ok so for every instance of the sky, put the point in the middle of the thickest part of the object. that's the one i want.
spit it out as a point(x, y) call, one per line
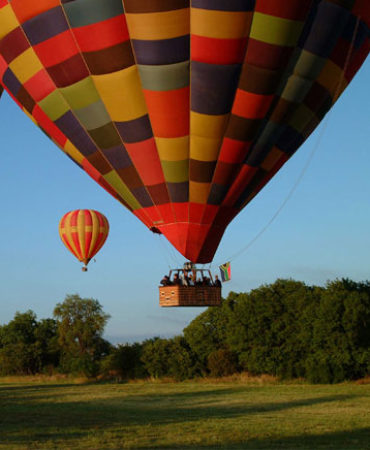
point(321, 233)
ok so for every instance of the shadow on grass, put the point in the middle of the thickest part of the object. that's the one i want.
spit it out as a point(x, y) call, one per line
point(45, 417)
point(345, 440)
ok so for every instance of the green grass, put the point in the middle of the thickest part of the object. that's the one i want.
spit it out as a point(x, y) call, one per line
point(229, 415)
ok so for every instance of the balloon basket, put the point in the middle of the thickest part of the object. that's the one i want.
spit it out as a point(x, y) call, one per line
point(84, 269)
point(189, 296)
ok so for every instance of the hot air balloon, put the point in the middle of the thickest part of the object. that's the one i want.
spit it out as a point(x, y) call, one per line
point(84, 233)
point(181, 110)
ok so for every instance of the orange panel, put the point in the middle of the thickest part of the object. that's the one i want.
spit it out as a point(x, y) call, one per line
point(26, 9)
point(145, 158)
point(169, 112)
point(251, 106)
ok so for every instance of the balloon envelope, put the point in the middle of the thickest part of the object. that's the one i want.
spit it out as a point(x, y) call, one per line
point(84, 232)
point(182, 111)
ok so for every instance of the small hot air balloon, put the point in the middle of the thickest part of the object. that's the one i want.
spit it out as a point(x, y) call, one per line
point(84, 233)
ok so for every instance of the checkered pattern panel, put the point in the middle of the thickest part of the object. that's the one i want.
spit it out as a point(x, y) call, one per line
point(181, 110)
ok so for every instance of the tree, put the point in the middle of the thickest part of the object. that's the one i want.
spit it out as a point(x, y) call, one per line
point(124, 361)
point(28, 346)
point(222, 362)
point(81, 323)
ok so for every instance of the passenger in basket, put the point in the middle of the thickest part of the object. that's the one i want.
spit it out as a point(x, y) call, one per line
point(206, 281)
point(165, 281)
point(176, 280)
point(217, 282)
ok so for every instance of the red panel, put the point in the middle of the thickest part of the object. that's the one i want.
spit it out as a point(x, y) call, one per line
point(196, 211)
point(357, 60)
point(187, 238)
point(233, 151)
point(245, 175)
point(268, 56)
point(26, 9)
point(50, 128)
point(57, 49)
point(154, 215)
point(210, 244)
point(361, 9)
point(102, 35)
point(13, 45)
point(145, 158)
point(224, 216)
point(217, 51)
point(3, 3)
point(181, 211)
point(166, 212)
point(140, 214)
point(3, 67)
point(195, 241)
point(288, 9)
point(209, 214)
point(169, 112)
point(40, 85)
point(251, 106)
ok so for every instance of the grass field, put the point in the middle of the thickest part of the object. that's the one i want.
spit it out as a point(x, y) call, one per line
point(226, 414)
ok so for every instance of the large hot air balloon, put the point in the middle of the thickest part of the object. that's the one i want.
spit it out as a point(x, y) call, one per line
point(84, 233)
point(181, 110)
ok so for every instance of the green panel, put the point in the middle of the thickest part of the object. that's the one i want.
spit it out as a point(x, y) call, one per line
point(122, 190)
point(176, 171)
point(81, 94)
point(166, 77)
point(87, 12)
point(309, 65)
point(93, 116)
point(301, 118)
point(296, 89)
point(54, 105)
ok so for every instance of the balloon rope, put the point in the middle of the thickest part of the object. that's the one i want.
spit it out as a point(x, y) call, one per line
point(163, 250)
point(310, 157)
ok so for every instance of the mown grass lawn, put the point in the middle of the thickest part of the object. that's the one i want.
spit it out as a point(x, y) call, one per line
point(145, 415)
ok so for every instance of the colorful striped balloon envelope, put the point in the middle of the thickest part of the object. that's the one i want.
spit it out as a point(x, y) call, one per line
point(84, 232)
point(182, 110)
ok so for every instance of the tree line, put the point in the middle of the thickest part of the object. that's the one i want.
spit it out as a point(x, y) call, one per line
point(286, 329)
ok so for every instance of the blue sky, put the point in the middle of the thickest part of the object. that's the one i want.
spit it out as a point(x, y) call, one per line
point(323, 232)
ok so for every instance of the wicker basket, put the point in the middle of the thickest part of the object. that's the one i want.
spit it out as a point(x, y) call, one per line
point(189, 296)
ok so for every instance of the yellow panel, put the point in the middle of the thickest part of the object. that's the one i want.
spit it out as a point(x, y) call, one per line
point(159, 25)
point(275, 30)
point(72, 151)
point(198, 192)
point(8, 21)
point(207, 125)
point(25, 65)
point(81, 232)
point(220, 24)
point(204, 149)
point(119, 186)
point(95, 230)
point(331, 77)
point(175, 149)
point(122, 95)
point(271, 159)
